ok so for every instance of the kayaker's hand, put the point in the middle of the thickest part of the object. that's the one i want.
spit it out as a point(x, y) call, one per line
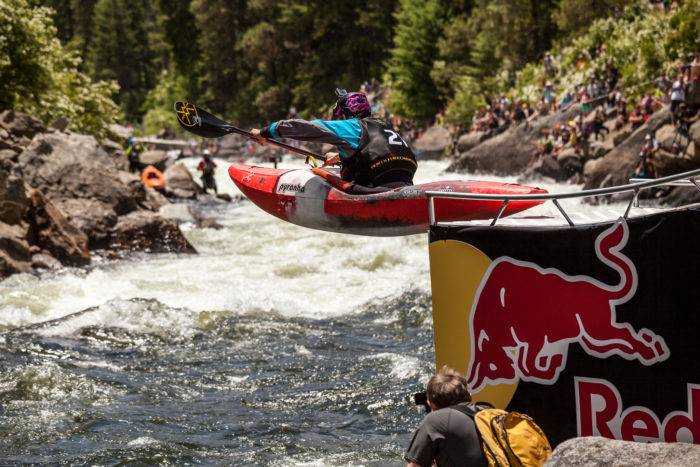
point(332, 158)
point(255, 132)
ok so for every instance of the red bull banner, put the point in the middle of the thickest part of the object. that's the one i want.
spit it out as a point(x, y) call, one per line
point(591, 330)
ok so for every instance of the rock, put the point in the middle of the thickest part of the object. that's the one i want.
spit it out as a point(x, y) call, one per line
point(433, 143)
point(50, 230)
point(595, 451)
point(224, 197)
point(8, 155)
point(60, 124)
point(619, 136)
point(68, 166)
point(509, 152)
point(570, 163)
point(621, 161)
point(668, 163)
point(208, 223)
point(665, 136)
point(120, 132)
point(19, 124)
point(8, 144)
point(13, 199)
point(154, 200)
point(94, 218)
point(548, 166)
point(147, 231)
point(232, 146)
point(177, 212)
point(179, 180)
point(681, 196)
point(156, 158)
point(598, 149)
point(45, 261)
point(15, 256)
point(469, 140)
point(112, 148)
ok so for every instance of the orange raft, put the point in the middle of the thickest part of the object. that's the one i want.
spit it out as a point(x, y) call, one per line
point(153, 178)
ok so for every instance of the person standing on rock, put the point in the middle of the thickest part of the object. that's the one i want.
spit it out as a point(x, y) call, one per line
point(134, 149)
point(373, 157)
point(208, 168)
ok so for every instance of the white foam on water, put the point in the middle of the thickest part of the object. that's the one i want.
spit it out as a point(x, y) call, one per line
point(255, 263)
point(402, 366)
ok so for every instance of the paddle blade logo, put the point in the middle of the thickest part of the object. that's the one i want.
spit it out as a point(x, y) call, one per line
point(187, 114)
point(525, 317)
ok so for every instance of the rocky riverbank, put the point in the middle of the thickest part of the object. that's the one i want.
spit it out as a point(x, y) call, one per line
point(65, 197)
point(608, 162)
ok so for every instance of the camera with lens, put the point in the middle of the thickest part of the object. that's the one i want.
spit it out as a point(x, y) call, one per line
point(421, 400)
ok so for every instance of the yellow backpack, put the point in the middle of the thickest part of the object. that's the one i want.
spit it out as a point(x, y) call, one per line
point(511, 439)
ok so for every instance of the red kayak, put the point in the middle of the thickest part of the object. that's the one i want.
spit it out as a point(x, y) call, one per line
point(303, 198)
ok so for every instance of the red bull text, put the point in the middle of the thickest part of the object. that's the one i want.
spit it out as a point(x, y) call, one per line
point(589, 329)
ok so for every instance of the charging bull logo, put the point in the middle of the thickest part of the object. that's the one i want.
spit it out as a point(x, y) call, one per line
point(524, 318)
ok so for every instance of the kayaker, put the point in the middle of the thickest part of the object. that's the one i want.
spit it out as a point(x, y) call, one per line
point(208, 168)
point(372, 155)
point(133, 150)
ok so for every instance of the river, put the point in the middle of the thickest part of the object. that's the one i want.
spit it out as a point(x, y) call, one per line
point(275, 345)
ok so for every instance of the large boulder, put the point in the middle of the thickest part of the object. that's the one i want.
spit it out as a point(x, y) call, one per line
point(469, 140)
point(66, 166)
point(92, 217)
point(20, 125)
point(13, 200)
point(156, 158)
point(15, 254)
point(617, 165)
point(232, 146)
point(147, 231)
point(433, 143)
point(594, 450)
point(180, 182)
point(509, 152)
point(177, 212)
point(52, 232)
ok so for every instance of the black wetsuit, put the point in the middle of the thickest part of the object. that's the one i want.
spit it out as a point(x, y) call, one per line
point(373, 155)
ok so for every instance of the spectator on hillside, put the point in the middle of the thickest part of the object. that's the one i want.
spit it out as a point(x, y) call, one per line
point(566, 101)
point(548, 94)
point(646, 167)
point(637, 117)
point(677, 95)
point(622, 115)
point(548, 62)
point(599, 123)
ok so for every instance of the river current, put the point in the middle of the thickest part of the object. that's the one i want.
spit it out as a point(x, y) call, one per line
point(275, 345)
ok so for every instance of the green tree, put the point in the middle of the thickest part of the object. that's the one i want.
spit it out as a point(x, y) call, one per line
point(574, 16)
point(40, 77)
point(418, 27)
point(121, 50)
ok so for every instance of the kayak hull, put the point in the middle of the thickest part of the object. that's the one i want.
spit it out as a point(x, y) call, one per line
point(302, 198)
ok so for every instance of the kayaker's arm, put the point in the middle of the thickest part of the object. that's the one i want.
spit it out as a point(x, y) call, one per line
point(343, 134)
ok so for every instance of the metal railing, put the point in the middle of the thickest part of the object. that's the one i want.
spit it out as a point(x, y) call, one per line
point(636, 185)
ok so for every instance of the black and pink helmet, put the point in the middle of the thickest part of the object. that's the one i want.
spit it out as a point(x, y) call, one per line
point(351, 105)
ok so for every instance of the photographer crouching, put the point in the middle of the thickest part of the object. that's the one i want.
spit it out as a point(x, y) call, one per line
point(447, 436)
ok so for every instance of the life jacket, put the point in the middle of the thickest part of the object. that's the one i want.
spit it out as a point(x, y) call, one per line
point(382, 157)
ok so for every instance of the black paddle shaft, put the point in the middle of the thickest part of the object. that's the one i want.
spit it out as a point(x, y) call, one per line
point(202, 123)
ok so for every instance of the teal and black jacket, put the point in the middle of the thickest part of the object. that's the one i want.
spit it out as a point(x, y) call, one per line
point(372, 153)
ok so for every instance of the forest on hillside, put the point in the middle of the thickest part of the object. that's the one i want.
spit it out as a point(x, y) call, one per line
point(96, 61)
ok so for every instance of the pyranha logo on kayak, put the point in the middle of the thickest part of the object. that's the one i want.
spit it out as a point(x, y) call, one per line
point(291, 187)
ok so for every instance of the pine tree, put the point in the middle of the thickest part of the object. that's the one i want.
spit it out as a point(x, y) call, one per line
point(120, 50)
point(419, 24)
